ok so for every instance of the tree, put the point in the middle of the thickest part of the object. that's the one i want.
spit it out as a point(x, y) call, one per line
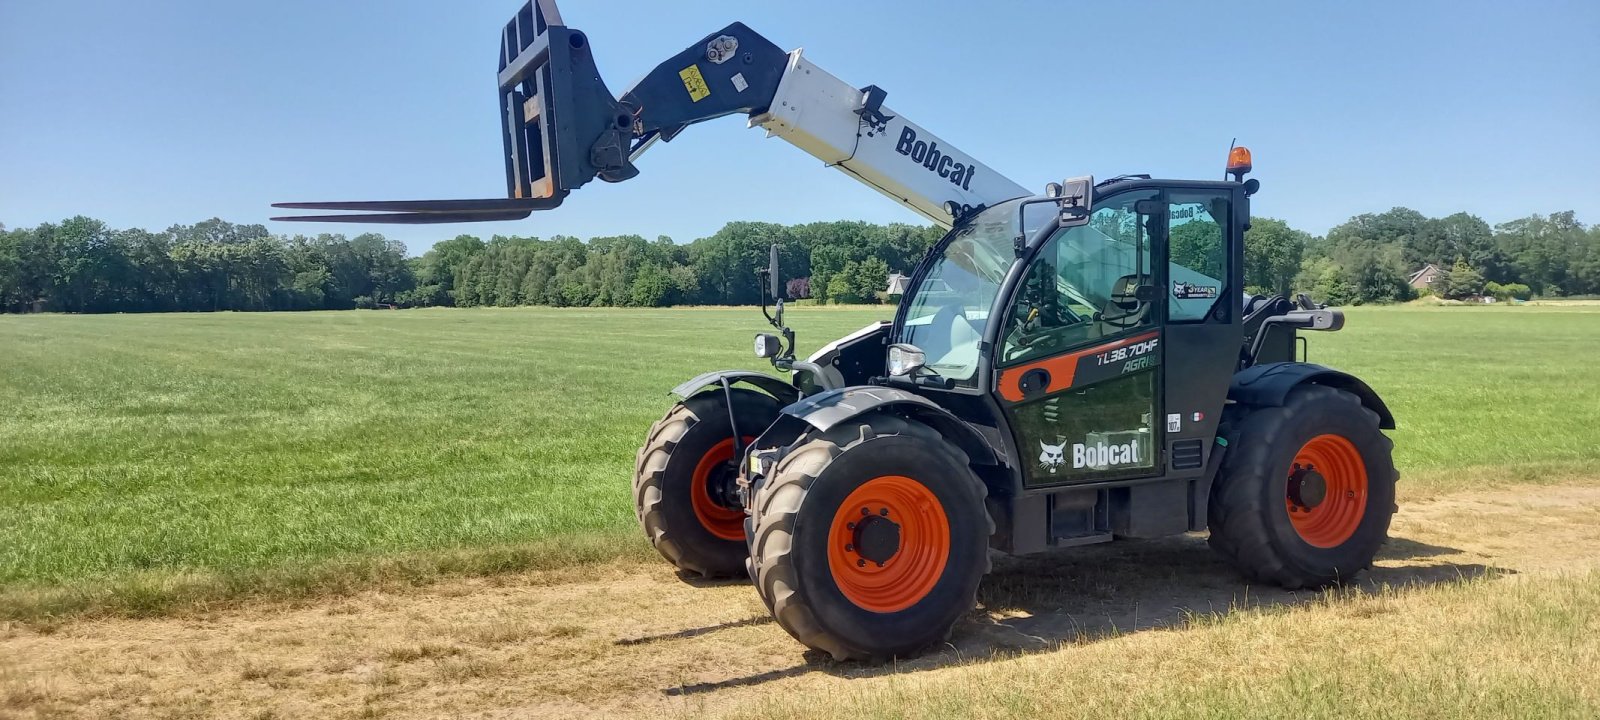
point(1507, 291)
point(651, 287)
point(1272, 255)
point(1197, 246)
point(81, 265)
point(1326, 281)
point(1460, 281)
point(441, 263)
point(840, 289)
point(870, 277)
point(1378, 274)
point(1553, 254)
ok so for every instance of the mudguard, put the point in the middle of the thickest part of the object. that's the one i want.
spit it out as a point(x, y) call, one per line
point(825, 410)
point(784, 392)
point(1269, 385)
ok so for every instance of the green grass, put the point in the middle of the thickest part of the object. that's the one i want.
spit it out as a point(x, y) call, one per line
point(1482, 395)
point(153, 459)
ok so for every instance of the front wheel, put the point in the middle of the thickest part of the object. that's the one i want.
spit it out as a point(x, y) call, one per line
point(1306, 491)
point(684, 482)
point(869, 540)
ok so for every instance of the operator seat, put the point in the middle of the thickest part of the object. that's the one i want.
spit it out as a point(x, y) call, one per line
point(950, 340)
point(1123, 308)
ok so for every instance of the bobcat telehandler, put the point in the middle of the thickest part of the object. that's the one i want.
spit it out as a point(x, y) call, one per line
point(1063, 369)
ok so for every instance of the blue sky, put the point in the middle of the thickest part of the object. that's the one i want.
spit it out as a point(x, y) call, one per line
point(152, 113)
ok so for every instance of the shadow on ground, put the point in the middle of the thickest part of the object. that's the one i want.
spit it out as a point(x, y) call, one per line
point(1042, 602)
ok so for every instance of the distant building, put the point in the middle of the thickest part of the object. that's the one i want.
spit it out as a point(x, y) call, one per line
point(1424, 278)
point(898, 284)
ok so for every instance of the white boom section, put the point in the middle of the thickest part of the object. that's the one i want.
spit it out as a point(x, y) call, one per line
point(818, 113)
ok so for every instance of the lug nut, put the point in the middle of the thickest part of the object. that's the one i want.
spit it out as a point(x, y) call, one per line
point(861, 563)
point(849, 548)
point(865, 511)
point(850, 526)
point(880, 564)
point(884, 512)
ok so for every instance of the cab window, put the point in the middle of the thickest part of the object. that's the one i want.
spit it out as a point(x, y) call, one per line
point(948, 311)
point(1083, 284)
point(1198, 254)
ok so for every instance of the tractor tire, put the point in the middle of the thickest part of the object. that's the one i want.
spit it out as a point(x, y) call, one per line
point(1306, 490)
point(868, 541)
point(687, 454)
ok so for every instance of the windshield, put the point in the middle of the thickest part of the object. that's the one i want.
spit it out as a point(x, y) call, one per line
point(949, 310)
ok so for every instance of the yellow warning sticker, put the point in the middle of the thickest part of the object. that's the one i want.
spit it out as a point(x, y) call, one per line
point(695, 83)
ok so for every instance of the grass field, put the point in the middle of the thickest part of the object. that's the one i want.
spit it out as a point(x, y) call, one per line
point(425, 513)
point(160, 459)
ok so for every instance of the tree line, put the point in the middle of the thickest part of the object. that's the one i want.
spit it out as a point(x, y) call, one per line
point(81, 265)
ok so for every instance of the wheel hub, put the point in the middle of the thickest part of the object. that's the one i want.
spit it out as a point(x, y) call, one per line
point(1326, 491)
point(1307, 487)
point(723, 485)
point(888, 544)
point(714, 492)
point(875, 538)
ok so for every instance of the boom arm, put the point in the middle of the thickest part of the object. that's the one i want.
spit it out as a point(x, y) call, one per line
point(563, 128)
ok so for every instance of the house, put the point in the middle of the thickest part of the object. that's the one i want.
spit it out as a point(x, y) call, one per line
point(898, 284)
point(1424, 278)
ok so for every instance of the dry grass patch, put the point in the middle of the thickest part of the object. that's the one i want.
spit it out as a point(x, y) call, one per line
point(1468, 600)
point(1485, 648)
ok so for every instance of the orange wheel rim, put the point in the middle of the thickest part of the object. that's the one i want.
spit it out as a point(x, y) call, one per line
point(1327, 491)
point(888, 544)
point(719, 520)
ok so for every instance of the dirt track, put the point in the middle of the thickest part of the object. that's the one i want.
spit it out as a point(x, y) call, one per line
point(628, 639)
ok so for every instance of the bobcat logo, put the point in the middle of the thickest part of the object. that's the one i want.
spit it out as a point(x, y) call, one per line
point(1052, 456)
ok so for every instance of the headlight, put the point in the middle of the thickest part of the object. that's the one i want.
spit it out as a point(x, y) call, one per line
point(767, 346)
point(904, 359)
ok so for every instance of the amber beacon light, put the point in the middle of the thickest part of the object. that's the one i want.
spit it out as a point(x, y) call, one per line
point(1238, 162)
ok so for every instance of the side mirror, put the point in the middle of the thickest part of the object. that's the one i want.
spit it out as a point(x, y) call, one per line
point(773, 275)
point(1076, 199)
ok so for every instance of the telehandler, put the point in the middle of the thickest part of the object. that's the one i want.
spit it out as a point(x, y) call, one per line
point(1063, 369)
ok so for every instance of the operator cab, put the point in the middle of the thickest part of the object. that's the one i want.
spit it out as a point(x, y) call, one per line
point(1057, 327)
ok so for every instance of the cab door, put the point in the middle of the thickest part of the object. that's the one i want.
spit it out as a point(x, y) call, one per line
point(1079, 358)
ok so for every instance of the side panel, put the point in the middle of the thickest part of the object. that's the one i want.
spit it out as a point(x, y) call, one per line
point(855, 357)
point(1200, 360)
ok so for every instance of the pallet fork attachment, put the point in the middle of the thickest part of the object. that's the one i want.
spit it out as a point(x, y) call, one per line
point(561, 126)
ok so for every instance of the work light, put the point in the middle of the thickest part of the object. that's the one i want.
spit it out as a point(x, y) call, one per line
point(767, 346)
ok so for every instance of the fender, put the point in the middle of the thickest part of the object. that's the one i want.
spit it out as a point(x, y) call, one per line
point(1269, 385)
point(825, 410)
point(784, 392)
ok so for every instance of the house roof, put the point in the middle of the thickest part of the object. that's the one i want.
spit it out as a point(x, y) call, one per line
point(1424, 271)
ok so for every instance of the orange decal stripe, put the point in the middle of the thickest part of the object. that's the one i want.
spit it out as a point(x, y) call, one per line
point(1062, 368)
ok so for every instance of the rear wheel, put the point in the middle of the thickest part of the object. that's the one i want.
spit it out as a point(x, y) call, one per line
point(869, 541)
point(684, 481)
point(1306, 491)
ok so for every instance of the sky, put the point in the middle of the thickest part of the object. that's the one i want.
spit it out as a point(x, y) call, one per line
point(146, 114)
